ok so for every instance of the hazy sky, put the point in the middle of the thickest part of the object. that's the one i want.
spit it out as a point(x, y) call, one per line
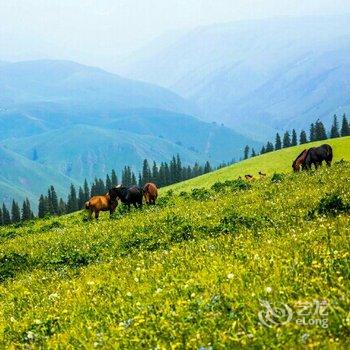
point(97, 32)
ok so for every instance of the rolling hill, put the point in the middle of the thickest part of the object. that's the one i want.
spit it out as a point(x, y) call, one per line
point(269, 163)
point(255, 76)
point(81, 122)
point(21, 177)
point(198, 270)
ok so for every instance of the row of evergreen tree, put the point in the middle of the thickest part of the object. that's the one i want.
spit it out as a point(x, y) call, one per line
point(17, 214)
point(317, 132)
point(163, 174)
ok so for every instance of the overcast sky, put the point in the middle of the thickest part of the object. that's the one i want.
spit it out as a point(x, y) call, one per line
point(97, 32)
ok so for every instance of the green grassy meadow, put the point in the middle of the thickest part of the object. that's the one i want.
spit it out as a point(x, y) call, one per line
point(269, 163)
point(193, 271)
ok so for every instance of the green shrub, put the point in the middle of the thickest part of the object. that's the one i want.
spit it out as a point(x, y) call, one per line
point(331, 204)
point(11, 264)
point(200, 194)
point(276, 177)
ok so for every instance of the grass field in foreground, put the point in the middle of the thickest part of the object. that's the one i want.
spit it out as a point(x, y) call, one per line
point(279, 161)
point(193, 272)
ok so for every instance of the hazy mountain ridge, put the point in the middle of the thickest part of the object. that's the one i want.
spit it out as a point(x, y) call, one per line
point(241, 73)
point(81, 122)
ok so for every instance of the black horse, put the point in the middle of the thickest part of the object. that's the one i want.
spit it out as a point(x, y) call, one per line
point(128, 195)
point(316, 155)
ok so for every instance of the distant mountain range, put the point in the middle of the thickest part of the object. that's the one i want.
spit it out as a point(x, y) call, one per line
point(62, 122)
point(255, 76)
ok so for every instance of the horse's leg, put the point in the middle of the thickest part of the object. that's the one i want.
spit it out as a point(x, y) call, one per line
point(90, 214)
point(97, 213)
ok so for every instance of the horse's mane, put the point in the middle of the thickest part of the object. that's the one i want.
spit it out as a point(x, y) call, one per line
point(305, 150)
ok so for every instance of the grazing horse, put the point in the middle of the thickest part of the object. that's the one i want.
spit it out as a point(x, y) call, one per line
point(150, 193)
point(317, 155)
point(100, 203)
point(249, 177)
point(128, 195)
point(262, 175)
point(299, 161)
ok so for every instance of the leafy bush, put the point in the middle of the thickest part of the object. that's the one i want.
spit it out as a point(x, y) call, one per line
point(277, 177)
point(331, 204)
point(200, 194)
point(11, 264)
point(233, 185)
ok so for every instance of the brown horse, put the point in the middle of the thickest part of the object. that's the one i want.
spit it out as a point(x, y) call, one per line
point(300, 160)
point(249, 177)
point(100, 203)
point(150, 193)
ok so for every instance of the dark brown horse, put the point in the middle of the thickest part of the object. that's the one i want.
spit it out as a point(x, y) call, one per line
point(150, 193)
point(313, 156)
point(300, 160)
point(316, 155)
point(100, 203)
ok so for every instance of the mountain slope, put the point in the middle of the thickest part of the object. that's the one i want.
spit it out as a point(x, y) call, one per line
point(198, 270)
point(21, 177)
point(269, 163)
point(255, 75)
point(82, 122)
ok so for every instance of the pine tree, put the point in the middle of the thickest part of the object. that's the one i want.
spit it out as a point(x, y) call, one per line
point(62, 207)
point(335, 128)
point(207, 167)
point(302, 138)
point(167, 174)
point(6, 218)
point(253, 154)
point(178, 169)
point(27, 213)
point(172, 169)
point(294, 138)
point(269, 147)
point(320, 131)
point(345, 127)
point(286, 140)
point(1, 218)
point(114, 178)
point(81, 198)
point(133, 178)
point(278, 142)
point(86, 192)
point(101, 187)
point(155, 173)
point(127, 176)
point(43, 208)
point(15, 212)
point(246, 152)
point(146, 172)
point(72, 202)
point(53, 201)
point(263, 150)
point(312, 133)
point(108, 183)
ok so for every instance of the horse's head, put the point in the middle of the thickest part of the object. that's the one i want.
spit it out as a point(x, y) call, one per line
point(296, 166)
point(299, 161)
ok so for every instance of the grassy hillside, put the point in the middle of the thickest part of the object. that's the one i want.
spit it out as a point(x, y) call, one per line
point(191, 272)
point(21, 177)
point(269, 163)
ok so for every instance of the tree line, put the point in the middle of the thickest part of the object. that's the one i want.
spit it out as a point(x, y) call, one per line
point(162, 174)
point(317, 132)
